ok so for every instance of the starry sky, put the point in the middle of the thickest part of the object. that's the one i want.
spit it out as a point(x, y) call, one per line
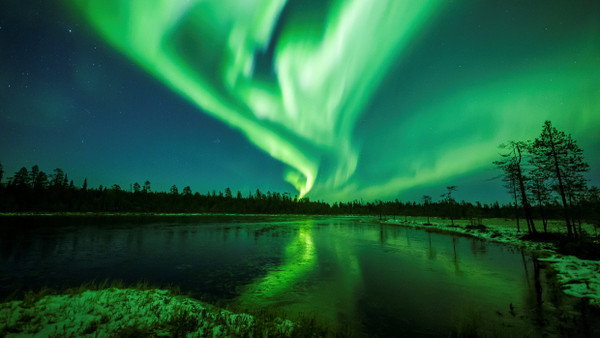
point(335, 100)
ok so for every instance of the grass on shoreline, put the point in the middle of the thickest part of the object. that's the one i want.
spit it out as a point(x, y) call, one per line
point(21, 313)
point(585, 246)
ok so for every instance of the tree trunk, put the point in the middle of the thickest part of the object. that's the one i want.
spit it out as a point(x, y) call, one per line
point(573, 221)
point(542, 211)
point(526, 206)
point(516, 208)
point(561, 186)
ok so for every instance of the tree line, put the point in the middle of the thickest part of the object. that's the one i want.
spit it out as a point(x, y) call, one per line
point(35, 191)
point(546, 174)
point(544, 178)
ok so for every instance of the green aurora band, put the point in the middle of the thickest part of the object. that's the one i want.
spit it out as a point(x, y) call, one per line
point(205, 50)
point(327, 70)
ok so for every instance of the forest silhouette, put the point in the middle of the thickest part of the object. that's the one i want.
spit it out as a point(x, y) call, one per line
point(544, 176)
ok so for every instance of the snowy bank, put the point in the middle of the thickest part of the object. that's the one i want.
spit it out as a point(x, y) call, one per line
point(578, 277)
point(118, 312)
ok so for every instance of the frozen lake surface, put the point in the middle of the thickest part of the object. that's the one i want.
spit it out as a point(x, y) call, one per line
point(350, 272)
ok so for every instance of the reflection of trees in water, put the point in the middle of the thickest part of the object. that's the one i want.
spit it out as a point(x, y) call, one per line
point(454, 240)
point(534, 298)
point(431, 251)
point(478, 247)
point(383, 234)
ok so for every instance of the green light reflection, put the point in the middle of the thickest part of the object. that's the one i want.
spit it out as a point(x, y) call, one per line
point(299, 259)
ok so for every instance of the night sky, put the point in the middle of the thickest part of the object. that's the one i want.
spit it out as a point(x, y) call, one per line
point(338, 100)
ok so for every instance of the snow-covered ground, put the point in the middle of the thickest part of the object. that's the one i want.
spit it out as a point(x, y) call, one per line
point(579, 277)
point(117, 312)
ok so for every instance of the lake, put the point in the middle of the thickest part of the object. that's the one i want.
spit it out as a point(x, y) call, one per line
point(350, 272)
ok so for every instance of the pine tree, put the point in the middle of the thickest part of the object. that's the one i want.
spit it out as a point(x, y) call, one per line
point(33, 174)
point(557, 155)
point(41, 181)
point(540, 191)
point(510, 183)
point(58, 178)
point(22, 178)
point(512, 165)
point(426, 206)
point(449, 201)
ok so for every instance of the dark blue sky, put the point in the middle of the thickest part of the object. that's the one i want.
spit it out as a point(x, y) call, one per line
point(467, 76)
point(70, 101)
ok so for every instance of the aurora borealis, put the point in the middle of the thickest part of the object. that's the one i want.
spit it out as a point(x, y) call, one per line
point(342, 99)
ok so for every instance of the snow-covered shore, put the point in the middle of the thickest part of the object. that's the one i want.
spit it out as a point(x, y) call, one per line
point(117, 312)
point(578, 277)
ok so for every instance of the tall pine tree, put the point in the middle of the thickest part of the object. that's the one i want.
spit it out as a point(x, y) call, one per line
point(557, 155)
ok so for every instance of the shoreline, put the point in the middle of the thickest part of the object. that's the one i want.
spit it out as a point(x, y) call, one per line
point(132, 312)
point(159, 214)
point(119, 310)
point(577, 277)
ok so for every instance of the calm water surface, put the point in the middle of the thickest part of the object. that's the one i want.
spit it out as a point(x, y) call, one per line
point(351, 273)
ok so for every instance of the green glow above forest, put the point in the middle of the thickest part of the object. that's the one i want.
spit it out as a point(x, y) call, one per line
point(323, 79)
point(329, 107)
